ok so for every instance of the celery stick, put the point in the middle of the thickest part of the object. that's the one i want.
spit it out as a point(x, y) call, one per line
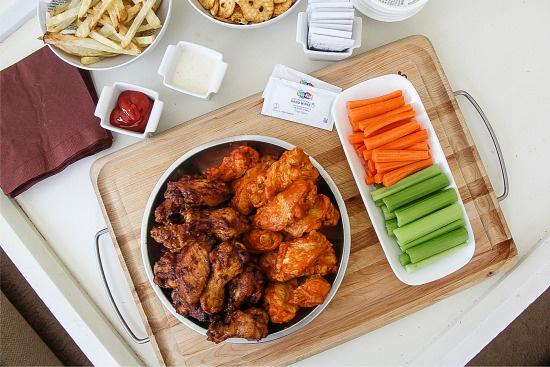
point(413, 211)
point(391, 224)
point(416, 191)
point(437, 245)
point(404, 259)
point(438, 232)
point(412, 267)
point(406, 182)
point(428, 223)
point(387, 213)
point(379, 202)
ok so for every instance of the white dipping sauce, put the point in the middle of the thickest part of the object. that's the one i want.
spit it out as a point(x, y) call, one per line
point(194, 71)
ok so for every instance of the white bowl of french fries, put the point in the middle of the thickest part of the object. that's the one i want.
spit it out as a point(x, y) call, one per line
point(102, 34)
point(244, 14)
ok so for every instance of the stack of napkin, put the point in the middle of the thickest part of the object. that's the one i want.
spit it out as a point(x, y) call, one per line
point(46, 120)
point(330, 25)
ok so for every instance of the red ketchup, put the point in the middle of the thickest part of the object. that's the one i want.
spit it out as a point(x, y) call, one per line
point(132, 111)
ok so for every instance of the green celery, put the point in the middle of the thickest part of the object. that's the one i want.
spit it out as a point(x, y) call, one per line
point(438, 232)
point(425, 206)
point(412, 267)
point(437, 245)
point(404, 259)
point(387, 213)
point(406, 182)
point(416, 191)
point(391, 225)
point(428, 223)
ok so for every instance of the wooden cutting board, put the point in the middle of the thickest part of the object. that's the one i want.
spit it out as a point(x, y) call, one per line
point(370, 295)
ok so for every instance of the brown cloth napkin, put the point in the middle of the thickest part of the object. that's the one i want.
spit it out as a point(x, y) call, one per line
point(46, 120)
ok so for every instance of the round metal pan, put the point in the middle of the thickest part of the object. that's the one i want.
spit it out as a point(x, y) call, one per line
point(211, 154)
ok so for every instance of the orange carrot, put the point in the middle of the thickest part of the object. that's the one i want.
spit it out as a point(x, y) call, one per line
point(370, 173)
point(364, 102)
point(417, 146)
point(383, 167)
point(373, 127)
point(360, 150)
point(394, 176)
point(355, 126)
point(407, 140)
point(378, 140)
point(393, 155)
point(378, 178)
point(369, 180)
point(356, 138)
point(374, 109)
point(370, 164)
point(367, 154)
point(363, 123)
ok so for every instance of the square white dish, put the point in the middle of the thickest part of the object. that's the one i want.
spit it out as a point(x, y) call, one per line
point(377, 87)
point(108, 100)
point(173, 56)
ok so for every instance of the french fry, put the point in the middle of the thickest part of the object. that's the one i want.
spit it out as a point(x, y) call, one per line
point(137, 22)
point(80, 46)
point(91, 21)
point(151, 17)
point(84, 6)
point(130, 49)
point(89, 60)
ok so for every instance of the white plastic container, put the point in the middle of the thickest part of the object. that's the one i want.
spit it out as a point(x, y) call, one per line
point(108, 100)
point(389, 10)
point(301, 37)
point(192, 69)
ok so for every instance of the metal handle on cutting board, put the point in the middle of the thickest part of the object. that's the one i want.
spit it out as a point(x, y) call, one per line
point(108, 290)
point(493, 137)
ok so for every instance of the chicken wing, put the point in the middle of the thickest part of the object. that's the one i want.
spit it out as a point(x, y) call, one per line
point(277, 301)
point(247, 287)
point(325, 264)
point(175, 237)
point(311, 292)
point(268, 263)
point(250, 324)
point(186, 310)
point(244, 186)
point(191, 191)
point(287, 206)
point(292, 165)
point(235, 164)
point(192, 271)
point(225, 223)
point(321, 214)
point(296, 256)
point(164, 271)
point(227, 261)
point(262, 240)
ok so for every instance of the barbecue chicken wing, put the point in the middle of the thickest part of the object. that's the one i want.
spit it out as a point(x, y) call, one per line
point(294, 257)
point(191, 191)
point(235, 164)
point(292, 165)
point(246, 287)
point(186, 310)
point(268, 264)
point(192, 271)
point(287, 206)
point(244, 186)
point(262, 240)
point(311, 292)
point(174, 237)
point(277, 301)
point(321, 214)
point(250, 324)
point(227, 261)
point(225, 223)
point(164, 271)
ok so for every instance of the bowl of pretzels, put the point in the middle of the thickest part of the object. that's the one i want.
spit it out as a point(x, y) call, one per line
point(244, 14)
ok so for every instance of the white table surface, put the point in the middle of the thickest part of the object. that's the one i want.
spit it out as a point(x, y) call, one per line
point(496, 50)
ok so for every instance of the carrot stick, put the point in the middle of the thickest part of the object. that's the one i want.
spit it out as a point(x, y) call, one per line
point(373, 127)
point(367, 154)
point(417, 146)
point(407, 140)
point(371, 166)
point(378, 178)
point(360, 150)
point(356, 138)
point(394, 176)
point(364, 102)
point(370, 173)
point(355, 126)
point(374, 109)
point(394, 155)
point(363, 123)
point(369, 180)
point(378, 140)
point(383, 167)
